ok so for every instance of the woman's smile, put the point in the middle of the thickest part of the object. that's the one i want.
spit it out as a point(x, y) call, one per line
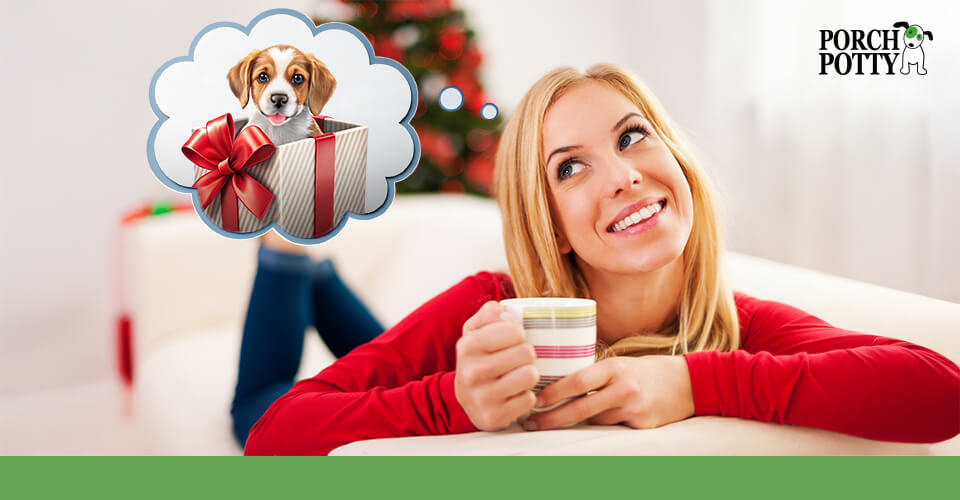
point(639, 217)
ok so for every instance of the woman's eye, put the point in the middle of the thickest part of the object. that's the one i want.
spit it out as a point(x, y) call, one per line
point(297, 78)
point(569, 169)
point(630, 138)
point(263, 78)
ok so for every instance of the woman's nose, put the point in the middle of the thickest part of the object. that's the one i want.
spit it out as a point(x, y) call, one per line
point(622, 176)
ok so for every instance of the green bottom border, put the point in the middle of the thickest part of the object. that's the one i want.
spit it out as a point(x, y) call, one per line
point(495, 478)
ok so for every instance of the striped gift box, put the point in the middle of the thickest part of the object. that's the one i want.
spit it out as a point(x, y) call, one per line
point(563, 332)
point(315, 181)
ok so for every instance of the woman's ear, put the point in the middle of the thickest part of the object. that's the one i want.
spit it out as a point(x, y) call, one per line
point(562, 242)
point(239, 78)
point(322, 84)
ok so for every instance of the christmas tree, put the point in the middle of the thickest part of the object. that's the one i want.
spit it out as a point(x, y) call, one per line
point(431, 39)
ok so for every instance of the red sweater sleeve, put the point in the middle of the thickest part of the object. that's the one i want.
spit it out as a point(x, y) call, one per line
point(794, 368)
point(399, 384)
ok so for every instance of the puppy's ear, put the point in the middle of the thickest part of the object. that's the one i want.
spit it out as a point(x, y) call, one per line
point(929, 34)
point(322, 84)
point(239, 78)
point(901, 24)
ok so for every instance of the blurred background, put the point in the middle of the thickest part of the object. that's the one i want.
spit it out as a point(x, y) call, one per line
point(850, 175)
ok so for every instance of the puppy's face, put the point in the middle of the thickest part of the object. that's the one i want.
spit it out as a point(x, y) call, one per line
point(281, 80)
point(913, 36)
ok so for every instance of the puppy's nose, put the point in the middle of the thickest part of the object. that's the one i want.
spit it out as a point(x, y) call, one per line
point(278, 99)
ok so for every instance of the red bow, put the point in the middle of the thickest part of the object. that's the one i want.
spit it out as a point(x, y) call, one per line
point(214, 148)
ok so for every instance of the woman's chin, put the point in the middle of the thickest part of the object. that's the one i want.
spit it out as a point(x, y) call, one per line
point(649, 258)
point(632, 256)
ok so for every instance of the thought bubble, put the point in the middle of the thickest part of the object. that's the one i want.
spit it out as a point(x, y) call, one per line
point(489, 111)
point(375, 92)
point(450, 99)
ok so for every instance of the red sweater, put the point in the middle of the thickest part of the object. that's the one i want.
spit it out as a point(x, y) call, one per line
point(792, 368)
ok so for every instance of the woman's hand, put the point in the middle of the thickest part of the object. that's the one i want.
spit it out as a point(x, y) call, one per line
point(495, 372)
point(642, 393)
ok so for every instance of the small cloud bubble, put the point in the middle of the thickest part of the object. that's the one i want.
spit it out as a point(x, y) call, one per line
point(450, 99)
point(489, 111)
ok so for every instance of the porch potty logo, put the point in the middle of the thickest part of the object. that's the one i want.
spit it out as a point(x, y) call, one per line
point(874, 52)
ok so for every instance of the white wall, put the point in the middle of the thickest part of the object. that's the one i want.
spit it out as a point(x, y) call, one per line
point(662, 42)
point(850, 175)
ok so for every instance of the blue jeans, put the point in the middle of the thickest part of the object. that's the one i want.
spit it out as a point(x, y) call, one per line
point(290, 292)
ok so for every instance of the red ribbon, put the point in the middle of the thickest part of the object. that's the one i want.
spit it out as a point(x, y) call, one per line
point(319, 119)
point(214, 148)
point(323, 184)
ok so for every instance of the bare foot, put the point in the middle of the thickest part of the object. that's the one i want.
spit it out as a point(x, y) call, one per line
point(274, 241)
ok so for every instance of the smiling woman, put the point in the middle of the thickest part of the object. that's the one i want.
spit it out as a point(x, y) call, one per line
point(604, 209)
point(601, 198)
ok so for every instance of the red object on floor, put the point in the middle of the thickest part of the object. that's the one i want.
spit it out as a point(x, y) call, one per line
point(125, 349)
point(124, 324)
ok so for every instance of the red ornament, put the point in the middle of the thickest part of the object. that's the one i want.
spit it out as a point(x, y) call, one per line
point(387, 48)
point(367, 9)
point(480, 172)
point(436, 146)
point(472, 58)
point(415, 9)
point(451, 41)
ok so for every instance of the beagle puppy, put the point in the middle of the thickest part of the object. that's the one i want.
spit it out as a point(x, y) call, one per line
point(287, 86)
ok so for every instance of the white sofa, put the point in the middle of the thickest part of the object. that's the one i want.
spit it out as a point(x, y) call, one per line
point(186, 289)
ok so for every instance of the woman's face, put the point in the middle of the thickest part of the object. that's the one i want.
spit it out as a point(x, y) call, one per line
point(617, 193)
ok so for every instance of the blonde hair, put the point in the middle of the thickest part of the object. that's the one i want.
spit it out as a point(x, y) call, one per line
point(707, 315)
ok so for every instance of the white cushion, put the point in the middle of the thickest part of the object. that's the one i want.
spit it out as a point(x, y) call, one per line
point(184, 390)
point(695, 436)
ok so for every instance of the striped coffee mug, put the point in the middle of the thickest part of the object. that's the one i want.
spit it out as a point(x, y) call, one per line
point(563, 332)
